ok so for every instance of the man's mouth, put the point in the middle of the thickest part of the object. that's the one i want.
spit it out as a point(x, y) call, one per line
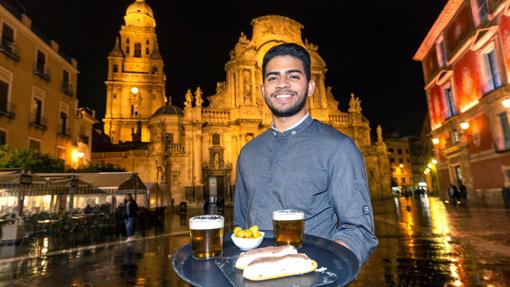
point(283, 96)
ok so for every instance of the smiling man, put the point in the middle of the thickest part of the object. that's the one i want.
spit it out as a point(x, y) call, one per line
point(303, 164)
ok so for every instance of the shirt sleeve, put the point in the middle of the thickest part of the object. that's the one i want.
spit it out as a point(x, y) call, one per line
point(240, 199)
point(351, 199)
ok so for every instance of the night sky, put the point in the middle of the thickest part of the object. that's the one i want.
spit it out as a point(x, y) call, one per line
point(368, 46)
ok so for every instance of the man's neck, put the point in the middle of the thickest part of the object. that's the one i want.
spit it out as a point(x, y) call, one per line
point(284, 123)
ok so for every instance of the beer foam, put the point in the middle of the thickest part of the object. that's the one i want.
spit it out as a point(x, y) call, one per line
point(288, 215)
point(203, 223)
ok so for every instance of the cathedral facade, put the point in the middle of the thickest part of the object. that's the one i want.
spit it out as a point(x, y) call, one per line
point(192, 153)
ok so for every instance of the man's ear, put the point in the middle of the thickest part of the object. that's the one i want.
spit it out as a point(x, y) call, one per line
point(311, 87)
point(262, 91)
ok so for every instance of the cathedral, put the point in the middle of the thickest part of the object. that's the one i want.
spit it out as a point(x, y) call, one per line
point(191, 153)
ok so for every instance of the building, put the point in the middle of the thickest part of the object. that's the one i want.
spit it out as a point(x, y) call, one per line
point(193, 152)
point(466, 64)
point(38, 105)
point(399, 155)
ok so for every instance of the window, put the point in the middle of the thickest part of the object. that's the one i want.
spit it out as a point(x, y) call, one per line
point(455, 136)
point(63, 124)
point(3, 137)
point(169, 138)
point(390, 150)
point(4, 96)
point(127, 50)
point(147, 42)
point(492, 79)
point(40, 62)
point(65, 76)
point(480, 7)
point(392, 160)
point(154, 70)
point(7, 38)
point(138, 50)
point(34, 144)
point(400, 160)
point(407, 151)
point(115, 68)
point(399, 151)
point(134, 111)
point(37, 106)
point(216, 139)
point(403, 180)
point(147, 51)
point(441, 52)
point(450, 107)
point(505, 128)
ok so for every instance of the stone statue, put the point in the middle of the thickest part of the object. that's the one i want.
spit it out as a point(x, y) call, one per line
point(354, 104)
point(198, 97)
point(216, 160)
point(379, 134)
point(247, 86)
point(189, 99)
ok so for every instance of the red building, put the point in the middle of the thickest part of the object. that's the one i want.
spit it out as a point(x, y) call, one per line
point(466, 66)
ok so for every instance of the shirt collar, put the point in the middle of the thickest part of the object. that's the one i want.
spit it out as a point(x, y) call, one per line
point(302, 123)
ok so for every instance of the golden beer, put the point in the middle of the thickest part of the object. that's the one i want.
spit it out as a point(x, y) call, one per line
point(206, 232)
point(288, 227)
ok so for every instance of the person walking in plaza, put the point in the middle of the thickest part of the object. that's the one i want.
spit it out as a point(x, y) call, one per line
point(301, 163)
point(453, 194)
point(462, 193)
point(130, 215)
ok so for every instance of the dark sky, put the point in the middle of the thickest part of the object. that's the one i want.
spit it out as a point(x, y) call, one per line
point(368, 46)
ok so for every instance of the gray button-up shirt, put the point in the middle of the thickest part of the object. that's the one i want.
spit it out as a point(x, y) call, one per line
point(311, 167)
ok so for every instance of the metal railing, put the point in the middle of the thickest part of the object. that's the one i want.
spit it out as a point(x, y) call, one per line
point(10, 49)
point(42, 72)
point(8, 110)
point(67, 88)
point(38, 122)
point(64, 132)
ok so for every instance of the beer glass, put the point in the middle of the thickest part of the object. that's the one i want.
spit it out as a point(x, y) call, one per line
point(206, 232)
point(288, 227)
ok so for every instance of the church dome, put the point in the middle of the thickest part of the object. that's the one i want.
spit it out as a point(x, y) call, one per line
point(139, 14)
point(168, 110)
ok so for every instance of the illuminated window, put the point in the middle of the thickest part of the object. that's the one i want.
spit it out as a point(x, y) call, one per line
point(441, 52)
point(450, 107)
point(138, 50)
point(492, 79)
point(505, 128)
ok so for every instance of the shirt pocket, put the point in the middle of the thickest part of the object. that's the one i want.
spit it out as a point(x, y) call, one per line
point(309, 190)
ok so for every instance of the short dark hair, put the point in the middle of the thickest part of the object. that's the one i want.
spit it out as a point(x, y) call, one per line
point(288, 49)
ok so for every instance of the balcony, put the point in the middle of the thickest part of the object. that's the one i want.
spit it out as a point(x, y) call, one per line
point(9, 49)
point(64, 132)
point(42, 72)
point(67, 88)
point(8, 110)
point(38, 122)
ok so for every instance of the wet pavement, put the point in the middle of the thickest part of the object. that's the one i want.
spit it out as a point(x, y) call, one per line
point(423, 242)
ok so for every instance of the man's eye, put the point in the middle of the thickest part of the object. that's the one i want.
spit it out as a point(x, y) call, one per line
point(295, 77)
point(271, 79)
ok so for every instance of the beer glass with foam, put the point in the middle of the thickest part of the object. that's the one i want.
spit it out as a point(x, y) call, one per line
point(206, 232)
point(288, 227)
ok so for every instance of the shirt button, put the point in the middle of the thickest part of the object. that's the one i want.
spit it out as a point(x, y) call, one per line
point(274, 133)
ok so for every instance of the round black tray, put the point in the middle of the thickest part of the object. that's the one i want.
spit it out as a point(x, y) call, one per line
point(338, 265)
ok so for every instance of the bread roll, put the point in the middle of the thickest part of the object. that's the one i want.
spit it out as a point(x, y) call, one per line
point(275, 267)
point(246, 257)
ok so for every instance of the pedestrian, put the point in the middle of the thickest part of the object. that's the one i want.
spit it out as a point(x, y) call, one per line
point(462, 193)
point(453, 193)
point(130, 215)
point(301, 163)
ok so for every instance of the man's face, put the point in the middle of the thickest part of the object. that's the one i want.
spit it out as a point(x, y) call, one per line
point(285, 86)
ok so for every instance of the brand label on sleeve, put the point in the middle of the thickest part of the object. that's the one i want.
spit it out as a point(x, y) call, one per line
point(366, 210)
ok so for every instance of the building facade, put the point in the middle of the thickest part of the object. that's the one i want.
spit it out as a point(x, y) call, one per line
point(38, 105)
point(193, 152)
point(399, 155)
point(466, 65)
point(135, 85)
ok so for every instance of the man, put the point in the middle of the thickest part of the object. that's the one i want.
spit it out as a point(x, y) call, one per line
point(303, 164)
point(130, 214)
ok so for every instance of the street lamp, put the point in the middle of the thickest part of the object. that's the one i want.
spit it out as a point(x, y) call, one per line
point(506, 103)
point(401, 165)
point(435, 141)
point(464, 125)
point(135, 90)
point(434, 161)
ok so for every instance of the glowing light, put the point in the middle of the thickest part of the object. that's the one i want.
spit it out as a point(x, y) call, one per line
point(464, 125)
point(134, 90)
point(435, 141)
point(401, 165)
point(430, 165)
point(76, 155)
point(434, 161)
point(506, 103)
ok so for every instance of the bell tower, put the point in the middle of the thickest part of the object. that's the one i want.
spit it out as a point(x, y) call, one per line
point(135, 85)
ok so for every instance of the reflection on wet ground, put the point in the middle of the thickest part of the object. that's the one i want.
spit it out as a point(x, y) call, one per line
point(423, 242)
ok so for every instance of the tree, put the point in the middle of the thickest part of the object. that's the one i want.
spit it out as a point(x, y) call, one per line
point(29, 159)
point(99, 167)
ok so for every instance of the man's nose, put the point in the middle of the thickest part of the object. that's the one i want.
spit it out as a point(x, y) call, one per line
point(283, 82)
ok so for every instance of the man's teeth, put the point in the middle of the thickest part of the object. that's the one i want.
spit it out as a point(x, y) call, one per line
point(283, 96)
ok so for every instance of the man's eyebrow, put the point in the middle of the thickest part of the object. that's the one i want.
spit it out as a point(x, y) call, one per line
point(286, 72)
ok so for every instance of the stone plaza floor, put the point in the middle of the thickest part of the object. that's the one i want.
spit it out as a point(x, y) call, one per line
point(423, 242)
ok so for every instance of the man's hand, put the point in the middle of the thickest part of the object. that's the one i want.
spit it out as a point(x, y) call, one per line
point(343, 244)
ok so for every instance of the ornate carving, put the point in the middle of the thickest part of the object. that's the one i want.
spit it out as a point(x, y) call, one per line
point(198, 97)
point(247, 86)
point(189, 99)
point(310, 46)
point(379, 134)
point(354, 104)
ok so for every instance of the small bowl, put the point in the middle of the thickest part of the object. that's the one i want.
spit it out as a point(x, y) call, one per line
point(248, 243)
